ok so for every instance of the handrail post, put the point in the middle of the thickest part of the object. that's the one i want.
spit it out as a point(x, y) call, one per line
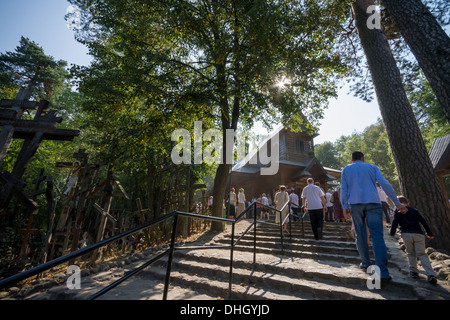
point(169, 263)
point(281, 232)
point(254, 237)
point(290, 224)
point(303, 217)
point(231, 260)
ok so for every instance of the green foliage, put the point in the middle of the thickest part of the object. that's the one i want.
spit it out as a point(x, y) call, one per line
point(328, 155)
point(226, 56)
point(28, 64)
point(161, 65)
point(373, 142)
point(429, 114)
point(360, 79)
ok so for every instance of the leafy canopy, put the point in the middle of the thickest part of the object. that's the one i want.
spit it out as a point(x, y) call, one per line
point(28, 64)
point(223, 57)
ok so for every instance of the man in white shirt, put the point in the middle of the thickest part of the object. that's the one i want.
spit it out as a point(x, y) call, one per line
point(315, 203)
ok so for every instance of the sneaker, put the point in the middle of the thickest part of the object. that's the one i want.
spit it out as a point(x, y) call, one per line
point(361, 266)
point(432, 279)
point(385, 282)
point(413, 275)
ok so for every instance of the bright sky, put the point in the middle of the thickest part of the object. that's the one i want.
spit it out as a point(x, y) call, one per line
point(42, 21)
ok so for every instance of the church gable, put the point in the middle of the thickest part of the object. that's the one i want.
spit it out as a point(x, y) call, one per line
point(296, 146)
point(296, 163)
point(295, 149)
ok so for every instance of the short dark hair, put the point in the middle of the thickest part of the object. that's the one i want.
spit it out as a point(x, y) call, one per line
point(357, 155)
point(403, 199)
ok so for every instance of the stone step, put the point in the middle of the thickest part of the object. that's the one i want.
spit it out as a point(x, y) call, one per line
point(327, 235)
point(291, 279)
point(294, 239)
point(293, 245)
point(219, 288)
point(290, 266)
point(300, 254)
point(306, 230)
point(305, 224)
point(306, 269)
point(296, 247)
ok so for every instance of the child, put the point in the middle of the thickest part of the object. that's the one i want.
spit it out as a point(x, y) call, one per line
point(414, 239)
point(264, 209)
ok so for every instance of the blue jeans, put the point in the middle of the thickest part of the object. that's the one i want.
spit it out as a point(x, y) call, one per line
point(329, 214)
point(370, 214)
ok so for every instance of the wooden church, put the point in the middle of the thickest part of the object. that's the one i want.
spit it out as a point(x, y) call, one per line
point(296, 164)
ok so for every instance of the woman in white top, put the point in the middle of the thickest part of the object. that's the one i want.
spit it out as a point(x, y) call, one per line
point(281, 198)
point(241, 202)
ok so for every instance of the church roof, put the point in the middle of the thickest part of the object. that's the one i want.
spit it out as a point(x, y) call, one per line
point(440, 152)
point(254, 153)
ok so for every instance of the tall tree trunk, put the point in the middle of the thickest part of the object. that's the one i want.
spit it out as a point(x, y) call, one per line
point(220, 184)
point(428, 42)
point(229, 121)
point(417, 177)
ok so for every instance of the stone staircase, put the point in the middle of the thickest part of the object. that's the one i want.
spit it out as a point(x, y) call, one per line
point(304, 269)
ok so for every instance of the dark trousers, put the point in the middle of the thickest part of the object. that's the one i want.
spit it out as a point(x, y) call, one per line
point(232, 210)
point(316, 218)
point(385, 207)
point(295, 213)
point(329, 214)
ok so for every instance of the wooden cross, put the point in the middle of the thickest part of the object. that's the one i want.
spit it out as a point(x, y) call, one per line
point(84, 189)
point(51, 207)
point(140, 211)
point(81, 156)
point(105, 212)
point(107, 187)
point(42, 127)
point(80, 193)
point(107, 199)
point(28, 230)
point(17, 107)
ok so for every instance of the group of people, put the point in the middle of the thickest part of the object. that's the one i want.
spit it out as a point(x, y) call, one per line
point(236, 203)
point(362, 198)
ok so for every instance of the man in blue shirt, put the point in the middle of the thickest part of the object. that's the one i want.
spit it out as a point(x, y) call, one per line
point(359, 197)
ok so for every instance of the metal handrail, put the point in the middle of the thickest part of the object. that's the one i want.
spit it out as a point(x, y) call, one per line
point(288, 216)
point(46, 266)
point(175, 214)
